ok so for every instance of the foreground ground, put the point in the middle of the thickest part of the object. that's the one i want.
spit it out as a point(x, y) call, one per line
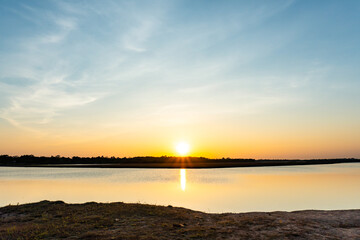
point(54, 220)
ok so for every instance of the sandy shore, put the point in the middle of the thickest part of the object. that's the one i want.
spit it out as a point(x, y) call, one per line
point(54, 220)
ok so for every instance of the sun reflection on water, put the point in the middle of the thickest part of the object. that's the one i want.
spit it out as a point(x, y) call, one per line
point(183, 179)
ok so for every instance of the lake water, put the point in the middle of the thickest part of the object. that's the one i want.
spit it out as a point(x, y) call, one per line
point(210, 190)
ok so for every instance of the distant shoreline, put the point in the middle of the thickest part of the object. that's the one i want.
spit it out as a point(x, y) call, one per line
point(156, 162)
point(55, 220)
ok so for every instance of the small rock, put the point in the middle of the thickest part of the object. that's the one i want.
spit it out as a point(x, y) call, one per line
point(178, 225)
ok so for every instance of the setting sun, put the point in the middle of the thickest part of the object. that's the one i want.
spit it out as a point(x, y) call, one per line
point(182, 148)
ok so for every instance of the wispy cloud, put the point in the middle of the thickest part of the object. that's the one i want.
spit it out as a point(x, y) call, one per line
point(46, 91)
point(135, 39)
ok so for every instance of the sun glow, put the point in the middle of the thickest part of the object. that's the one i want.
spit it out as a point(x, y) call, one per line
point(182, 148)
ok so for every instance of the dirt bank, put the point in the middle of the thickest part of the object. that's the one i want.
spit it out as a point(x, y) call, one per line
point(54, 220)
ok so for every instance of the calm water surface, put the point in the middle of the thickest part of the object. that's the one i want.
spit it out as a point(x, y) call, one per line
point(210, 190)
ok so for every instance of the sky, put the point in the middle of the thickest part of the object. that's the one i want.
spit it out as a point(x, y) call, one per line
point(247, 79)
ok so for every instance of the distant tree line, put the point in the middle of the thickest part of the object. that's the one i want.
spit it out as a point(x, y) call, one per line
point(31, 159)
point(28, 160)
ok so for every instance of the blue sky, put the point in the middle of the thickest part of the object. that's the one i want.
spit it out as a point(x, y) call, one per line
point(233, 78)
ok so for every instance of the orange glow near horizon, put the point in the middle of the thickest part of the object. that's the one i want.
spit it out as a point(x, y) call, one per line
point(211, 143)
